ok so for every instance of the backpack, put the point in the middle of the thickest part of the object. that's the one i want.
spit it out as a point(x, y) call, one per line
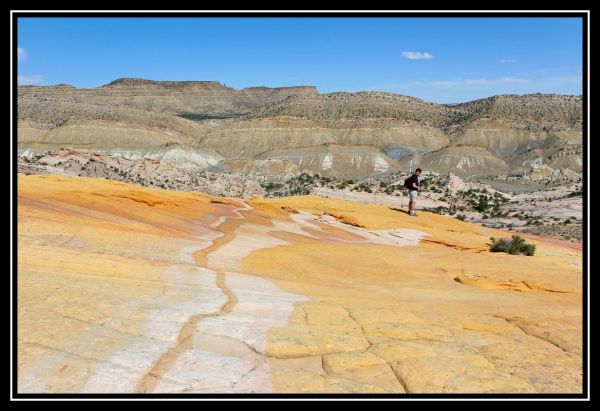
point(408, 183)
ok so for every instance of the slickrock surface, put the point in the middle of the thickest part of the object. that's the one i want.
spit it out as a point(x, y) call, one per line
point(123, 288)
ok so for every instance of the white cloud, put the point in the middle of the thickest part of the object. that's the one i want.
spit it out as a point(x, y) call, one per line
point(482, 81)
point(507, 61)
point(435, 84)
point(468, 82)
point(292, 78)
point(442, 83)
point(416, 55)
point(477, 81)
point(556, 70)
point(569, 84)
point(565, 78)
point(512, 80)
point(21, 54)
point(30, 79)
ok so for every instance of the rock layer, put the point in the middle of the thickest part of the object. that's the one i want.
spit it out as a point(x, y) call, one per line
point(137, 115)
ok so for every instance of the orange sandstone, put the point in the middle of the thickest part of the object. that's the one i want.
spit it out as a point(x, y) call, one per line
point(123, 288)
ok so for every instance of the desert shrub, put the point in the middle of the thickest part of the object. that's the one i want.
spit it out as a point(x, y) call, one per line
point(482, 204)
point(528, 249)
point(574, 193)
point(437, 210)
point(515, 245)
point(461, 217)
point(271, 186)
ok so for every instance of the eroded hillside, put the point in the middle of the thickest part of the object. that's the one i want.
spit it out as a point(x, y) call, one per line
point(536, 134)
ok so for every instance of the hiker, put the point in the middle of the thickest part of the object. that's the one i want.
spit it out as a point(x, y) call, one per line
point(412, 184)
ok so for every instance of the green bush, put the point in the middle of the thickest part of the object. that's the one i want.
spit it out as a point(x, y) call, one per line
point(574, 193)
point(482, 204)
point(271, 186)
point(528, 249)
point(437, 210)
point(515, 245)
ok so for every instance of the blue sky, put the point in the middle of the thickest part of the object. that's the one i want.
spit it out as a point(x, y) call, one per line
point(443, 60)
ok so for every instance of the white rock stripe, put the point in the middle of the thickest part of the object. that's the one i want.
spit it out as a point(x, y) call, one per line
point(228, 350)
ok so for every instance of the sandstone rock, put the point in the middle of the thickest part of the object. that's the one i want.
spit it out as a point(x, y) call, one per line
point(125, 288)
point(455, 184)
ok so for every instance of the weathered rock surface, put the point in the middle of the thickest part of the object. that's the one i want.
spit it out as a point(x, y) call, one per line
point(123, 288)
point(461, 160)
point(336, 160)
point(251, 137)
point(172, 168)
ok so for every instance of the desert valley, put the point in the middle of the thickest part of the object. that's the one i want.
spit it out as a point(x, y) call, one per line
point(189, 237)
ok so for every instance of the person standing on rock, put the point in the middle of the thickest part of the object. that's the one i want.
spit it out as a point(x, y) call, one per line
point(412, 184)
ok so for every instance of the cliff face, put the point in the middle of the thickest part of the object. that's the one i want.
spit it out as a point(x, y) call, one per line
point(267, 95)
point(541, 110)
point(336, 160)
point(358, 106)
point(177, 85)
point(143, 114)
point(461, 160)
point(209, 98)
point(252, 137)
point(503, 124)
point(510, 124)
point(478, 136)
point(130, 289)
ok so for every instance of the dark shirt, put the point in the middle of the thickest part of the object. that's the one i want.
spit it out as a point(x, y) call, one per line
point(414, 179)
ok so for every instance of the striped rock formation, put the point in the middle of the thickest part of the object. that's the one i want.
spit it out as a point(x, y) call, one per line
point(129, 289)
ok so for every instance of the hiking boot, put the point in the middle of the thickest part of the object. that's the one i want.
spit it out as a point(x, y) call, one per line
point(412, 213)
